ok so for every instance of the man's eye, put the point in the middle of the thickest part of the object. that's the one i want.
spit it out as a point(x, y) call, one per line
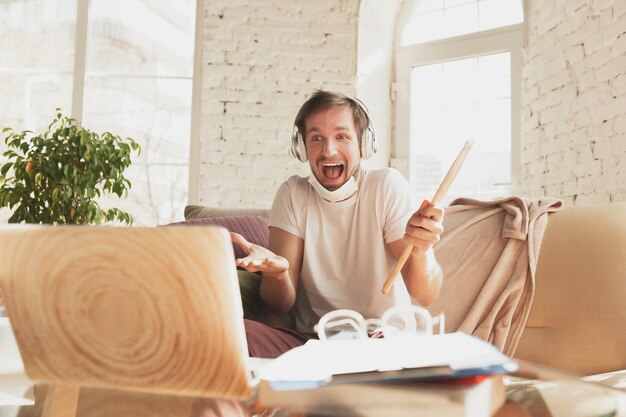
point(342, 137)
point(316, 138)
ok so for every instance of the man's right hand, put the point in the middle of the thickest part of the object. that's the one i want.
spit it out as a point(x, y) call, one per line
point(258, 258)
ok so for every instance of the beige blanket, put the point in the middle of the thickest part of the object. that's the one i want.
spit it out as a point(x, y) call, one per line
point(488, 253)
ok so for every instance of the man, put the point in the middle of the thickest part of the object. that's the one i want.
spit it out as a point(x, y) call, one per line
point(336, 236)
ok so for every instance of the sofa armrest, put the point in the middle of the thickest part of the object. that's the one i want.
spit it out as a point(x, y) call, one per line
point(578, 318)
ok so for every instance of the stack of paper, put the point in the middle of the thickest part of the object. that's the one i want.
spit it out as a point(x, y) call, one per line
point(449, 374)
point(411, 357)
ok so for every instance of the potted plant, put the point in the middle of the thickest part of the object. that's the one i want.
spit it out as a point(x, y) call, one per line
point(56, 177)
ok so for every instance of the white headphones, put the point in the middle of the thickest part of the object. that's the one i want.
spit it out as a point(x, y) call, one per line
point(368, 139)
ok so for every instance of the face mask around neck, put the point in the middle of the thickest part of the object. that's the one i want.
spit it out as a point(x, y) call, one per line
point(342, 193)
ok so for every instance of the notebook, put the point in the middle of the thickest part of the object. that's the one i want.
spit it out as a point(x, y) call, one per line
point(411, 357)
point(146, 309)
point(451, 375)
point(479, 398)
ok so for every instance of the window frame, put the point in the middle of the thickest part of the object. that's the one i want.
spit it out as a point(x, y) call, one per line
point(503, 39)
point(196, 103)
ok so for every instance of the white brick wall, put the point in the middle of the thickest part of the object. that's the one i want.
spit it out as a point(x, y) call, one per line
point(574, 101)
point(261, 60)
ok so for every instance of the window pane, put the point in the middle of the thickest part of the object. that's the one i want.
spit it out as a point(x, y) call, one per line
point(427, 85)
point(431, 21)
point(496, 170)
point(459, 20)
point(428, 6)
point(37, 61)
point(460, 81)
point(424, 27)
point(138, 84)
point(158, 195)
point(38, 34)
point(452, 3)
point(495, 125)
point(438, 131)
point(141, 37)
point(31, 97)
point(498, 13)
point(495, 76)
point(461, 124)
point(154, 111)
point(36, 64)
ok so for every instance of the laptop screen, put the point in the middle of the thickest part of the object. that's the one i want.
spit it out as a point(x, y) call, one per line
point(150, 309)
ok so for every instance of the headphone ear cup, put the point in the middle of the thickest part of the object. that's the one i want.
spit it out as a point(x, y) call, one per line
point(368, 139)
point(297, 145)
point(368, 142)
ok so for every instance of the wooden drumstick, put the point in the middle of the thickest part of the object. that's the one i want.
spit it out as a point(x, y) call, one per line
point(439, 194)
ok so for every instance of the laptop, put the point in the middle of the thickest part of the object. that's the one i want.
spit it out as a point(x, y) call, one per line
point(145, 309)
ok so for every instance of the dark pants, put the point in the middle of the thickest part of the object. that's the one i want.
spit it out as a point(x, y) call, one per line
point(270, 342)
point(264, 341)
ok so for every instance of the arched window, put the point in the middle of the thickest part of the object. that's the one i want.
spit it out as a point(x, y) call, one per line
point(457, 79)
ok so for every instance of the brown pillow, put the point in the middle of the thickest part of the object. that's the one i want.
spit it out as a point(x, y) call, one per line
point(253, 228)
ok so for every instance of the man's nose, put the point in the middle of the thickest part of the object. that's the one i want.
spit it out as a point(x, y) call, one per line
point(330, 148)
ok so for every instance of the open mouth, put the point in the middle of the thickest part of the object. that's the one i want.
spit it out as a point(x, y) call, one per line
point(332, 171)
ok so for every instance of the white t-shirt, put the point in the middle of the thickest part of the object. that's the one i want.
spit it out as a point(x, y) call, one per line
point(345, 260)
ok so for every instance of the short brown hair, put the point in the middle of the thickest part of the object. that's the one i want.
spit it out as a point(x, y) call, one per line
point(322, 100)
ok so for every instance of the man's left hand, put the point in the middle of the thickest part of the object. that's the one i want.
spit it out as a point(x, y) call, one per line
point(424, 228)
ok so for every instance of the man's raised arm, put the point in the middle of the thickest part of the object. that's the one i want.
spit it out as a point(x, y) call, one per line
point(280, 266)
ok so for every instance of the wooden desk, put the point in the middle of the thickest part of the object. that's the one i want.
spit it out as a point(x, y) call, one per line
point(94, 402)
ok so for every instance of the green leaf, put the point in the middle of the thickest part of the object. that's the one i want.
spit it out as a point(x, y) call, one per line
point(9, 154)
point(5, 168)
point(15, 143)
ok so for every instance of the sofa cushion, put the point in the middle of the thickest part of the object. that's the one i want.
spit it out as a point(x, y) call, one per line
point(253, 228)
point(580, 292)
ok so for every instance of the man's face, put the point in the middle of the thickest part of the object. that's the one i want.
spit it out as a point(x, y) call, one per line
point(332, 145)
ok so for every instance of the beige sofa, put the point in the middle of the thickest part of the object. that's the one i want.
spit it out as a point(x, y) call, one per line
point(578, 319)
